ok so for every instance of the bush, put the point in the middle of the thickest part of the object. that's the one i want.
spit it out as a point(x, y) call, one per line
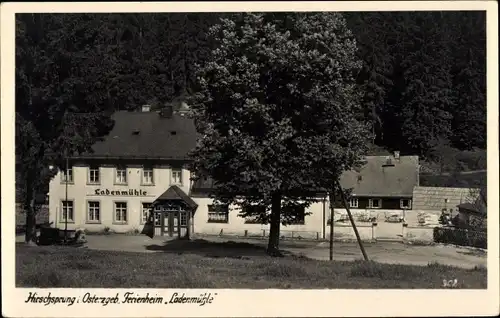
point(472, 160)
point(460, 237)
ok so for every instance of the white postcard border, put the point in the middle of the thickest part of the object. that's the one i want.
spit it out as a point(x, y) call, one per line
point(245, 303)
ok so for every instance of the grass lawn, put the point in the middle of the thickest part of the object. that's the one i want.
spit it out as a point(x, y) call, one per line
point(79, 267)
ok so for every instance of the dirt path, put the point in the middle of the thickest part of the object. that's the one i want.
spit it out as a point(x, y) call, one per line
point(386, 252)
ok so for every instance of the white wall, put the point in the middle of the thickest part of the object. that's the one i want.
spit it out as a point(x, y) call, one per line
point(81, 192)
point(315, 225)
point(236, 224)
point(346, 232)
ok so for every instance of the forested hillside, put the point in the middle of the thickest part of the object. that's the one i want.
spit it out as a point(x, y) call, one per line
point(423, 78)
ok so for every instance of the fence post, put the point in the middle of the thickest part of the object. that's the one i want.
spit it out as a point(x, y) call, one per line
point(317, 236)
point(246, 233)
point(264, 233)
point(374, 231)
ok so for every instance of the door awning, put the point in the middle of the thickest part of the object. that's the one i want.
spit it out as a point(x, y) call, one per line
point(176, 195)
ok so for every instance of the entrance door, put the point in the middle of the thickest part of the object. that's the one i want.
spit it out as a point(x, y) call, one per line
point(158, 224)
point(170, 222)
point(174, 223)
point(167, 223)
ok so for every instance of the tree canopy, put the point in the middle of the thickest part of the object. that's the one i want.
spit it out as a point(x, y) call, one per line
point(280, 111)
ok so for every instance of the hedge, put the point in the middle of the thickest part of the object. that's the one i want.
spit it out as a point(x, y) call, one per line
point(460, 237)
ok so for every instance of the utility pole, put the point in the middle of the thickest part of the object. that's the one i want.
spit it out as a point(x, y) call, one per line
point(324, 217)
point(352, 221)
point(66, 201)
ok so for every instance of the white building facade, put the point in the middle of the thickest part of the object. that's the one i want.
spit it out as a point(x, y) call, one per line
point(143, 161)
point(114, 197)
point(119, 198)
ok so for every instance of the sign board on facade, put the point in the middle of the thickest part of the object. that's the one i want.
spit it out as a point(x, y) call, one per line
point(129, 192)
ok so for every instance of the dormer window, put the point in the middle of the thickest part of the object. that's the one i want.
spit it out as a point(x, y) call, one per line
point(388, 162)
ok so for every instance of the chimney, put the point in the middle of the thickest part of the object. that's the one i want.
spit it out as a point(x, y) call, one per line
point(167, 112)
point(183, 109)
point(146, 108)
point(396, 155)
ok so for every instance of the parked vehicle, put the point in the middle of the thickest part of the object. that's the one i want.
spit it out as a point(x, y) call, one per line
point(55, 236)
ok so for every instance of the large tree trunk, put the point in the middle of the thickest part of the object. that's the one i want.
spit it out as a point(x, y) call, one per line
point(30, 235)
point(274, 231)
point(332, 220)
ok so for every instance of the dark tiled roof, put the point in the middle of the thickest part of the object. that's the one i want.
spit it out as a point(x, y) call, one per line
point(147, 135)
point(375, 178)
point(174, 193)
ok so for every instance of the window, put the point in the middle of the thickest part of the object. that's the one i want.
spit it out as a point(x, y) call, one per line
point(177, 176)
point(93, 211)
point(299, 214)
point(183, 218)
point(375, 203)
point(258, 214)
point(121, 212)
point(146, 209)
point(405, 203)
point(218, 214)
point(121, 175)
point(94, 175)
point(67, 211)
point(353, 203)
point(67, 176)
point(158, 219)
point(147, 176)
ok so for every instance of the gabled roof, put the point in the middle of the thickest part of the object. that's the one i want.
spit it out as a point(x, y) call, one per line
point(174, 193)
point(378, 179)
point(433, 198)
point(147, 135)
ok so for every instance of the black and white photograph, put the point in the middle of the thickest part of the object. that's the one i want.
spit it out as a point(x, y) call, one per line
point(248, 150)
